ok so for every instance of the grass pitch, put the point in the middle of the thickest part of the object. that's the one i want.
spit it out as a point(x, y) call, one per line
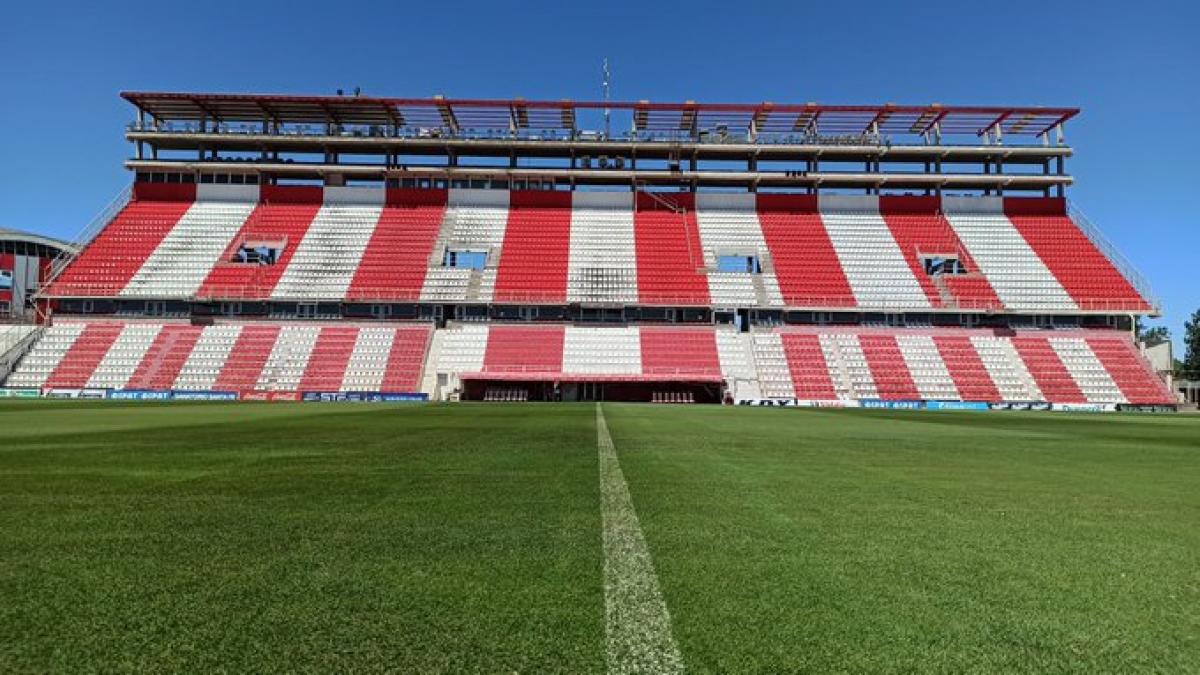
point(321, 537)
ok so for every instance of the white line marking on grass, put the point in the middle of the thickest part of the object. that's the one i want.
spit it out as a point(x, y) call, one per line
point(637, 623)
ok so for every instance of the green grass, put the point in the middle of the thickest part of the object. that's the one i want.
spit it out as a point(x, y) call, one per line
point(283, 537)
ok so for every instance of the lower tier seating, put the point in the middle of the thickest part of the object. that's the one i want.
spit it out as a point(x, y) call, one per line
point(826, 363)
point(241, 357)
point(822, 363)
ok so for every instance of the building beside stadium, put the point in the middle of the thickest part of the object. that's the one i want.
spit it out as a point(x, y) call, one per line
point(26, 260)
point(355, 247)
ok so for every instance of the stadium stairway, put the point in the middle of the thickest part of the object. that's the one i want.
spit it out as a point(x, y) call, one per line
point(729, 226)
point(15, 341)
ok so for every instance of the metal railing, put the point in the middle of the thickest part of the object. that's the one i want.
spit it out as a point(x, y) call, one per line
point(263, 293)
point(13, 347)
point(708, 136)
point(549, 372)
point(1126, 268)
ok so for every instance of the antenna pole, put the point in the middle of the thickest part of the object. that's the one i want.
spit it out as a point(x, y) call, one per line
point(607, 82)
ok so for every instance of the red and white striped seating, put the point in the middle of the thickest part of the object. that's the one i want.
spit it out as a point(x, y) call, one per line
point(1061, 366)
point(553, 352)
point(548, 247)
point(242, 357)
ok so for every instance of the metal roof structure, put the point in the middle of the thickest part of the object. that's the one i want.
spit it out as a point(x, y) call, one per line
point(8, 234)
point(452, 115)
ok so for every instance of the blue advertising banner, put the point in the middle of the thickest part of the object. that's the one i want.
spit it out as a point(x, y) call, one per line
point(186, 395)
point(956, 405)
point(139, 395)
point(878, 403)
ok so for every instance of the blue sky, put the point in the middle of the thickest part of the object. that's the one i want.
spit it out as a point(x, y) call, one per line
point(1132, 67)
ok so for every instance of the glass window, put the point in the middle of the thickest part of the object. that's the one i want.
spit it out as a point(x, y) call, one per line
point(475, 260)
point(738, 263)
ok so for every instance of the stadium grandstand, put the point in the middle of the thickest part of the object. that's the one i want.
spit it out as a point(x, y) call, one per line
point(318, 247)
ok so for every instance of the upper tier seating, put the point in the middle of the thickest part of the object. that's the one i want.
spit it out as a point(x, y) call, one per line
point(602, 260)
point(127, 242)
point(475, 221)
point(397, 256)
point(669, 256)
point(536, 248)
point(921, 231)
point(329, 254)
point(729, 226)
point(244, 357)
point(878, 272)
point(1086, 274)
point(834, 251)
point(1019, 276)
point(282, 220)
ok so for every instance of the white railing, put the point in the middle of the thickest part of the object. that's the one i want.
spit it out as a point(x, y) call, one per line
point(1114, 256)
point(252, 292)
point(14, 346)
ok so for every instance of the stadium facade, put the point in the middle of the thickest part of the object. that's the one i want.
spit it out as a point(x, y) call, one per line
point(26, 262)
point(332, 246)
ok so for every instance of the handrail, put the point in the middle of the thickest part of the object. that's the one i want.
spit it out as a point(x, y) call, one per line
point(14, 348)
point(263, 293)
point(657, 197)
point(681, 211)
point(1114, 256)
point(701, 136)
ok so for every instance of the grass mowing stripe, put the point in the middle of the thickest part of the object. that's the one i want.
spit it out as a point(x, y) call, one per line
point(430, 539)
point(637, 623)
